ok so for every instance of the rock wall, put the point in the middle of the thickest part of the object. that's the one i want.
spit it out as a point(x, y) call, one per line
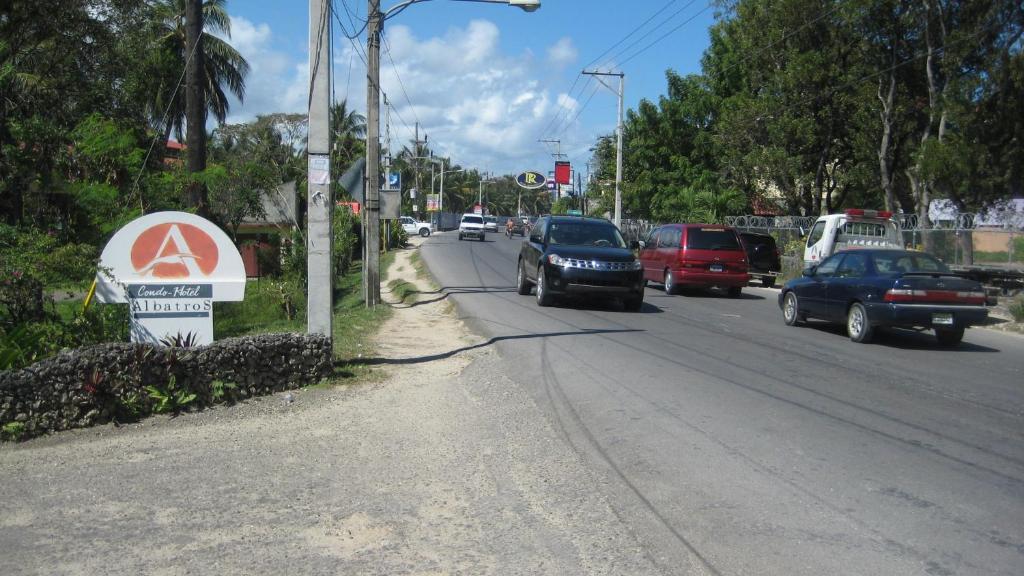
point(123, 382)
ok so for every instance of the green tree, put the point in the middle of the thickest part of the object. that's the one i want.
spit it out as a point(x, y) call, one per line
point(225, 68)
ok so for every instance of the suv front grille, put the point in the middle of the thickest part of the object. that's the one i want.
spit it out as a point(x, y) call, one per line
point(597, 265)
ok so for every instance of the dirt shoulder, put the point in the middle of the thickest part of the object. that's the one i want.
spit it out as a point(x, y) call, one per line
point(443, 466)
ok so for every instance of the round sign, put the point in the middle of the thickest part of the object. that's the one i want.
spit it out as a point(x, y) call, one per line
point(531, 180)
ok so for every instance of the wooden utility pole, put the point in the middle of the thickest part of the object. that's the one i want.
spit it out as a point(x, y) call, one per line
point(195, 101)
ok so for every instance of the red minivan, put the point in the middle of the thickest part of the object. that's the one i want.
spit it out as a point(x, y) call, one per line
point(698, 255)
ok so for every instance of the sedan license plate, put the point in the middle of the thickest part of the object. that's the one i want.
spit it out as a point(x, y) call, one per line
point(942, 318)
point(717, 268)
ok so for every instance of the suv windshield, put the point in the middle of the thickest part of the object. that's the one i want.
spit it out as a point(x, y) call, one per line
point(584, 234)
point(901, 262)
point(472, 219)
point(711, 239)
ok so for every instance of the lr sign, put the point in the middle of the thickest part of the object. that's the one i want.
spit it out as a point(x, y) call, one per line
point(169, 267)
point(531, 180)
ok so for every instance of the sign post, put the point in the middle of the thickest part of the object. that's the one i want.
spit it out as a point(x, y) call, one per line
point(170, 267)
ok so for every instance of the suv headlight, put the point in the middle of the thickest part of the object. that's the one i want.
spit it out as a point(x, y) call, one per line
point(636, 265)
point(556, 260)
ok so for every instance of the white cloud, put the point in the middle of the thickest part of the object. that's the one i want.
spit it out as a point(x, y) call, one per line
point(276, 82)
point(482, 107)
point(562, 53)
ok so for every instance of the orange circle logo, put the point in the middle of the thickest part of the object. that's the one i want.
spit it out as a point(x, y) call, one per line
point(174, 250)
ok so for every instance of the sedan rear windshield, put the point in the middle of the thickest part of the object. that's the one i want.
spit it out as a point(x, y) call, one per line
point(473, 219)
point(576, 234)
point(711, 239)
point(902, 262)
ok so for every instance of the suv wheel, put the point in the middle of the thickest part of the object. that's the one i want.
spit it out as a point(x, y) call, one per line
point(857, 324)
point(543, 298)
point(522, 284)
point(768, 282)
point(424, 232)
point(735, 291)
point(460, 236)
point(634, 303)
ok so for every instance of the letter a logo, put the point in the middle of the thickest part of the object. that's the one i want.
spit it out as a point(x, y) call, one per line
point(174, 250)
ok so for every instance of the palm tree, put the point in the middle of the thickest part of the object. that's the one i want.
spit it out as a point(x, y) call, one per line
point(348, 128)
point(224, 67)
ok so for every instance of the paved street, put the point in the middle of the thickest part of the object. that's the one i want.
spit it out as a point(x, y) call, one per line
point(734, 444)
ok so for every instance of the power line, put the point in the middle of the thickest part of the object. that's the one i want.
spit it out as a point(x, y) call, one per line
point(664, 22)
point(394, 68)
point(666, 34)
point(633, 31)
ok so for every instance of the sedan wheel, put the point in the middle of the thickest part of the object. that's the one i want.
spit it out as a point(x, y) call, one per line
point(949, 336)
point(857, 324)
point(522, 284)
point(791, 309)
point(543, 298)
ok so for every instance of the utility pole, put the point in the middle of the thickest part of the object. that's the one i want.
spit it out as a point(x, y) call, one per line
point(371, 234)
point(195, 101)
point(319, 201)
point(618, 145)
point(558, 147)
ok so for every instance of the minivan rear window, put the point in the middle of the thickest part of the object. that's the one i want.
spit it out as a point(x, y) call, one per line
point(711, 239)
point(473, 219)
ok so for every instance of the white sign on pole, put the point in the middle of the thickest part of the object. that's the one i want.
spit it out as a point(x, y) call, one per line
point(169, 267)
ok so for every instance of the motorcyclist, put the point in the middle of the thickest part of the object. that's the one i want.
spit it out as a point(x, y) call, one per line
point(508, 227)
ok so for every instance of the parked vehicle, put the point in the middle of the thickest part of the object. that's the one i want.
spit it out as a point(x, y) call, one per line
point(868, 288)
point(763, 259)
point(413, 226)
point(472, 225)
point(852, 229)
point(490, 223)
point(696, 255)
point(572, 256)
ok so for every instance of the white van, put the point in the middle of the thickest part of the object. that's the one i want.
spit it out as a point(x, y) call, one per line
point(850, 230)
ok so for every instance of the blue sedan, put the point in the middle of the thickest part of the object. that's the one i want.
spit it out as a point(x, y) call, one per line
point(882, 288)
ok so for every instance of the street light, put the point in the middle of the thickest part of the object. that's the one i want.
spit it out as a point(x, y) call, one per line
point(480, 197)
point(440, 207)
point(374, 21)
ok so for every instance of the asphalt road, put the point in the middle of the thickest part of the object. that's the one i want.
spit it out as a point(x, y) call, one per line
point(733, 444)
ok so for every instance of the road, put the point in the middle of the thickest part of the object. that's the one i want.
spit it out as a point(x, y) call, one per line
point(733, 444)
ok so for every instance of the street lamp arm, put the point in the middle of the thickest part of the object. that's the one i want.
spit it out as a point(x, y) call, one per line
point(527, 5)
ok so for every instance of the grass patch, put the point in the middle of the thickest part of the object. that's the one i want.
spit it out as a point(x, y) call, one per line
point(270, 305)
point(404, 291)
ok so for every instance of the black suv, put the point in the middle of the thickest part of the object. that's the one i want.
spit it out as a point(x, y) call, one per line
point(567, 255)
point(763, 256)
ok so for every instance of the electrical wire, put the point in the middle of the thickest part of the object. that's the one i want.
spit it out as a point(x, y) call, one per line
point(664, 22)
point(163, 122)
point(666, 34)
point(394, 67)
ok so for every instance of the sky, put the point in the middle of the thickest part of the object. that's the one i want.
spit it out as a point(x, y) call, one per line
point(485, 82)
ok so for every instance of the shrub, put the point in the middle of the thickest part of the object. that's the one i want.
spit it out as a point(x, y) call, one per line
point(21, 297)
point(1017, 308)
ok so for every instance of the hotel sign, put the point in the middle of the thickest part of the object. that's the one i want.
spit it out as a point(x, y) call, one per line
point(169, 267)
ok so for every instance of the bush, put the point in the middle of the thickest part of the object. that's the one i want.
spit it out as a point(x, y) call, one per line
point(21, 297)
point(1017, 308)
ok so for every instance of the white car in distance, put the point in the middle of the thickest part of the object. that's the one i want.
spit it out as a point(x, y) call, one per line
point(412, 226)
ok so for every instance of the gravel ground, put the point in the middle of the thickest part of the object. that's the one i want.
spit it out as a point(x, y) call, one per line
point(445, 466)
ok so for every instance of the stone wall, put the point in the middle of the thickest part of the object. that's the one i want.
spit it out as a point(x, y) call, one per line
point(123, 382)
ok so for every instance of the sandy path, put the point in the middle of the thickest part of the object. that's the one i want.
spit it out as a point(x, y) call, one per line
point(443, 467)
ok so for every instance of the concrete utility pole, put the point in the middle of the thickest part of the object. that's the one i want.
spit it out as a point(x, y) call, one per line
point(195, 100)
point(618, 145)
point(371, 234)
point(319, 202)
